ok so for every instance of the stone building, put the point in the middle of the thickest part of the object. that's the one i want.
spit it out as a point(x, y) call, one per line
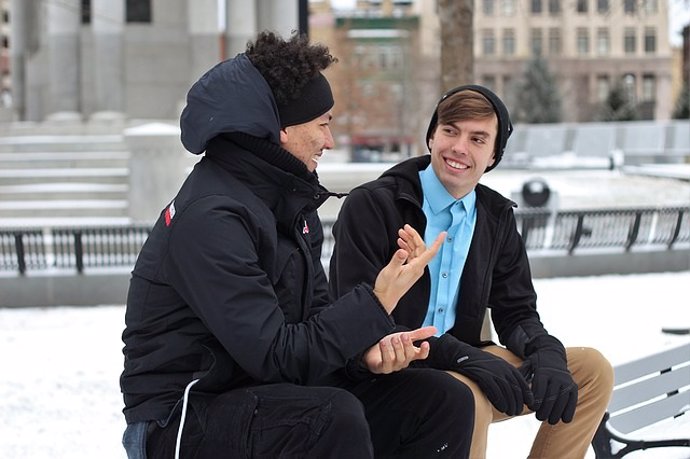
point(108, 59)
point(590, 46)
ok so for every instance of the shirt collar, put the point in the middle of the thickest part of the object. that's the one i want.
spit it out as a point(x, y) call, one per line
point(438, 197)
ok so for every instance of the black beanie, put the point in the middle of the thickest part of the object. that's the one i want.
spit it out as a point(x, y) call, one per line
point(314, 100)
point(505, 128)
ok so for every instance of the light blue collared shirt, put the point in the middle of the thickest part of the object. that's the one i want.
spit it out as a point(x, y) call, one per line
point(458, 217)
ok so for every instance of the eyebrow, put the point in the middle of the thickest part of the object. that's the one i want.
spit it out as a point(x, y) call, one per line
point(479, 132)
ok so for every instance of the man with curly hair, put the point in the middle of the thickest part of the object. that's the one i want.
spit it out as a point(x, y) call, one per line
point(233, 346)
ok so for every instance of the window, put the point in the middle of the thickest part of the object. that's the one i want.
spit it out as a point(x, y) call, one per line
point(554, 7)
point(489, 81)
point(488, 42)
point(629, 87)
point(648, 88)
point(554, 41)
point(581, 6)
point(509, 42)
point(649, 40)
point(603, 87)
point(603, 42)
point(537, 42)
point(508, 8)
point(488, 7)
point(86, 11)
point(536, 7)
point(582, 41)
point(602, 6)
point(629, 44)
point(650, 6)
point(138, 11)
point(629, 6)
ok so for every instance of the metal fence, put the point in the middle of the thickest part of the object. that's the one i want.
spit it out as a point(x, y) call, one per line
point(569, 232)
point(72, 248)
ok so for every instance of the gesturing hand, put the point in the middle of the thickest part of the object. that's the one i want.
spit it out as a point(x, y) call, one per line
point(405, 268)
point(397, 350)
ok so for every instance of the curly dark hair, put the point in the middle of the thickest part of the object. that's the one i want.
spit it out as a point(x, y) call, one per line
point(287, 65)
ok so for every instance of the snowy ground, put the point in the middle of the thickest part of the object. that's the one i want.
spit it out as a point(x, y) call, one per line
point(60, 398)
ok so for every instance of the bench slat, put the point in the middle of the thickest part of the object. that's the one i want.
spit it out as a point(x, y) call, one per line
point(649, 414)
point(647, 389)
point(638, 368)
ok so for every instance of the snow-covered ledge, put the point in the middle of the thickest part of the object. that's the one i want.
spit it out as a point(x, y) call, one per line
point(158, 164)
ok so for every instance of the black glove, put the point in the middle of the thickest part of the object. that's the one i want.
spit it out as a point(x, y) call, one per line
point(502, 383)
point(555, 392)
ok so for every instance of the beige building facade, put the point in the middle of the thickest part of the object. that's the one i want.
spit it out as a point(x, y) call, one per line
point(589, 46)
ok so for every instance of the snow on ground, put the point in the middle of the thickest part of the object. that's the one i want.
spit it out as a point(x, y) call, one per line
point(60, 398)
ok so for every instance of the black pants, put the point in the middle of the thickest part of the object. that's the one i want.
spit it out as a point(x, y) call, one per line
point(413, 413)
point(418, 413)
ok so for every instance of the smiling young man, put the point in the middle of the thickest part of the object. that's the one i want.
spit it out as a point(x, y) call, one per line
point(232, 342)
point(482, 265)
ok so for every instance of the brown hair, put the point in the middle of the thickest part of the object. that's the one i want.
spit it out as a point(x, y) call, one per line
point(464, 105)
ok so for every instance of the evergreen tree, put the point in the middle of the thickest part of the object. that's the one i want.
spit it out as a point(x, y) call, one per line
point(538, 100)
point(682, 108)
point(618, 105)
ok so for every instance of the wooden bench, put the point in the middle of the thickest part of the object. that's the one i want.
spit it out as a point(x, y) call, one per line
point(646, 391)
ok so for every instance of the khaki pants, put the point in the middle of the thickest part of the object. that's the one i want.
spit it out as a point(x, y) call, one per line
point(593, 375)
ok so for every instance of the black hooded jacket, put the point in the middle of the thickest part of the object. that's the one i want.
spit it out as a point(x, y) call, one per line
point(496, 273)
point(229, 287)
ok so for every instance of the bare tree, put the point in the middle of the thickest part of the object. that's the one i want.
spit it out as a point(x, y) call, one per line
point(457, 42)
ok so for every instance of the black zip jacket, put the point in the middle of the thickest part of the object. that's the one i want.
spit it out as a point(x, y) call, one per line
point(229, 286)
point(496, 273)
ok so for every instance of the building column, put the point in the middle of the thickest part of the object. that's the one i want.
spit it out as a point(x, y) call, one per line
point(240, 25)
point(205, 36)
point(63, 23)
point(281, 16)
point(107, 26)
point(18, 45)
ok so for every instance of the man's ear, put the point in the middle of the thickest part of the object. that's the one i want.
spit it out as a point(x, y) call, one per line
point(283, 135)
point(493, 160)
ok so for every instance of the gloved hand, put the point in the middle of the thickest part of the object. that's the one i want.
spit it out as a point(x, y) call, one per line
point(502, 383)
point(555, 392)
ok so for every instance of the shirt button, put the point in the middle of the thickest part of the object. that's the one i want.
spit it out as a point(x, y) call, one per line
point(450, 238)
point(444, 275)
point(440, 310)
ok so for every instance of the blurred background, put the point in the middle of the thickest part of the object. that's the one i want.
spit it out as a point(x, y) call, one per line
point(91, 91)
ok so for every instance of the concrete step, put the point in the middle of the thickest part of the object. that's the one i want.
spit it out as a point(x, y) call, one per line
point(62, 191)
point(62, 143)
point(57, 159)
point(64, 208)
point(64, 175)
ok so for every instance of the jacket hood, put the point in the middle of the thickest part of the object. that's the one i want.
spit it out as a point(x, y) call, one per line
point(231, 97)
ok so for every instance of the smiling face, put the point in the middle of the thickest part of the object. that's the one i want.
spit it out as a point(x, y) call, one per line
point(307, 141)
point(461, 151)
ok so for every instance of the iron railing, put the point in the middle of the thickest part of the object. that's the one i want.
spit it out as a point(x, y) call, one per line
point(569, 232)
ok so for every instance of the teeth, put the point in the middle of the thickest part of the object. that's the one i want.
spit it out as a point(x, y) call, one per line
point(455, 165)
